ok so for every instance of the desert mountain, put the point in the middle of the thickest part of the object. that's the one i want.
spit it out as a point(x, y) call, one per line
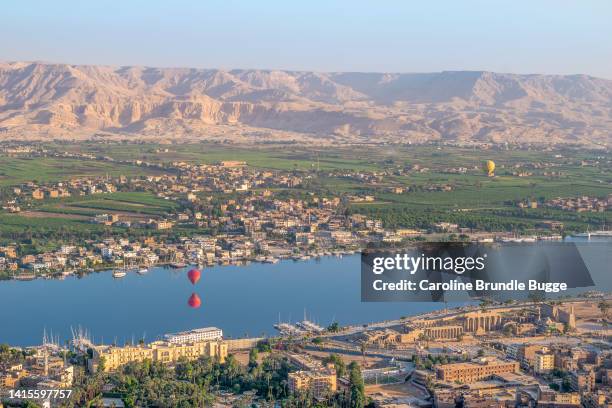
point(41, 100)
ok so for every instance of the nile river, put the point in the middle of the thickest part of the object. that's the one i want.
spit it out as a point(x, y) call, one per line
point(241, 300)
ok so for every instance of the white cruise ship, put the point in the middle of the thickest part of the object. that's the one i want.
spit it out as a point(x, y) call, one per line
point(195, 335)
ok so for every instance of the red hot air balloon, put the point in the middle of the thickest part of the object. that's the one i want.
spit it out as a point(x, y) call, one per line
point(194, 276)
point(194, 301)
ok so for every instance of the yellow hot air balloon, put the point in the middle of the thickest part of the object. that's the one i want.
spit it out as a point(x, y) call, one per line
point(490, 168)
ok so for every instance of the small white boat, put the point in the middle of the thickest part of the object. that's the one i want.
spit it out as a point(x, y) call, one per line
point(119, 274)
point(603, 233)
point(142, 271)
point(588, 234)
point(178, 265)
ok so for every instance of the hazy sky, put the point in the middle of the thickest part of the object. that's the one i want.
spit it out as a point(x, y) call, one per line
point(522, 36)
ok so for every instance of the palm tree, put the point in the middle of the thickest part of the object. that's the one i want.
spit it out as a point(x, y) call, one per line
point(362, 347)
point(284, 384)
point(603, 307)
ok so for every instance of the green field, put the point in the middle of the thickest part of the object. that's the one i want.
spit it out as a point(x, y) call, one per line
point(39, 234)
point(307, 158)
point(15, 170)
point(280, 158)
point(136, 203)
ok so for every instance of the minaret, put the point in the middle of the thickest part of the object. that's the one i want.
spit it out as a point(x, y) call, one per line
point(46, 369)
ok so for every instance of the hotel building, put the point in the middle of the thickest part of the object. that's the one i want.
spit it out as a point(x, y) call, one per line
point(320, 383)
point(110, 358)
point(469, 372)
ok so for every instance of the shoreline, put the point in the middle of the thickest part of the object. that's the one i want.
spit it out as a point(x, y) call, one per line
point(351, 329)
point(302, 256)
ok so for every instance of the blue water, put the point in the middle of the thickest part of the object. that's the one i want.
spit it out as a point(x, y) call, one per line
point(241, 300)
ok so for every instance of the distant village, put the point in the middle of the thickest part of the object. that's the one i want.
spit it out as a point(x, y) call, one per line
point(239, 209)
point(255, 226)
